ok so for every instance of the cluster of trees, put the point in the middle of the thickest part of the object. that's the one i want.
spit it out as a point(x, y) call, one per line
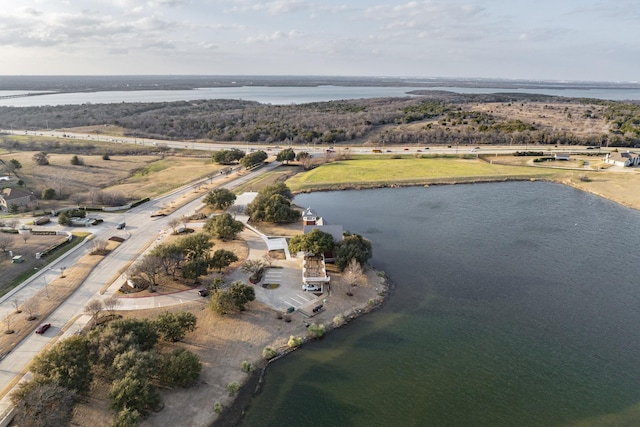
point(353, 247)
point(220, 198)
point(320, 122)
point(273, 204)
point(124, 354)
point(191, 255)
point(227, 157)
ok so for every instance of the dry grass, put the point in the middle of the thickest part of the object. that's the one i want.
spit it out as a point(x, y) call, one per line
point(48, 299)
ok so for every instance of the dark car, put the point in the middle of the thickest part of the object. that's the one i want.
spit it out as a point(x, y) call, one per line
point(203, 292)
point(42, 328)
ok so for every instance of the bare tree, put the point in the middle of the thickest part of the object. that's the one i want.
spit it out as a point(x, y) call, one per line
point(78, 198)
point(268, 259)
point(12, 223)
point(352, 276)
point(16, 304)
point(60, 182)
point(9, 330)
point(148, 268)
point(31, 307)
point(62, 269)
point(111, 303)
point(6, 241)
point(174, 223)
point(98, 247)
point(93, 308)
point(25, 236)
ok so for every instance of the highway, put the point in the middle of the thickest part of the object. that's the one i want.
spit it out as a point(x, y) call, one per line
point(315, 150)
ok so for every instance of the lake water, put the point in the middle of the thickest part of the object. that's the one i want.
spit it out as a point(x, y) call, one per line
point(516, 304)
point(278, 95)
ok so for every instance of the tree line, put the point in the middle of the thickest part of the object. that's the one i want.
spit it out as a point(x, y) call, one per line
point(329, 122)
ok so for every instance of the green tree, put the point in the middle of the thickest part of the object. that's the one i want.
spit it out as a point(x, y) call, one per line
point(286, 155)
point(171, 257)
point(140, 364)
point(222, 258)
point(272, 208)
point(126, 418)
point(67, 364)
point(180, 367)
point(195, 246)
point(227, 157)
point(241, 294)
point(195, 268)
point(133, 393)
point(15, 164)
point(41, 158)
point(253, 159)
point(77, 161)
point(353, 246)
point(316, 241)
point(43, 405)
point(48, 194)
point(224, 226)
point(280, 188)
point(220, 198)
point(221, 302)
point(174, 326)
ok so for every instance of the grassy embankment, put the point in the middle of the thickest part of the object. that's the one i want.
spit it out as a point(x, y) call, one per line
point(385, 171)
point(621, 185)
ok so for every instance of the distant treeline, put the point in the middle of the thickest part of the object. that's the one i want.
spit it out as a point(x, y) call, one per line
point(436, 118)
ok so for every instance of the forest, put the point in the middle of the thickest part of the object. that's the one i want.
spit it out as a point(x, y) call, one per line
point(428, 118)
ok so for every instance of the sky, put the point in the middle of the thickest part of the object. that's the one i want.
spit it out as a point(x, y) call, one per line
point(587, 40)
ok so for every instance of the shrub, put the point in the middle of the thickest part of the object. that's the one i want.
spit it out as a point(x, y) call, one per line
point(247, 367)
point(294, 341)
point(585, 178)
point(105, 156)
point(269, 353)
point(217, 408)
point(316, 331)
point(233, 387)
point(338, 321)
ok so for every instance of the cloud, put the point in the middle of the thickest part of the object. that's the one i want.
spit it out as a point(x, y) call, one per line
point(276, 35)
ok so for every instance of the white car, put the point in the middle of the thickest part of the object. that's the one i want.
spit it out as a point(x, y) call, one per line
point(310, 287)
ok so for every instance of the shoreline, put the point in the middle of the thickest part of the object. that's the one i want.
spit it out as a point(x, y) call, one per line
point(251, 388)
point(426, 184)
point(234, 414)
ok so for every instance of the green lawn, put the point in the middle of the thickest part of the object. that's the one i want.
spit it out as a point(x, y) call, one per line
point(407, 171)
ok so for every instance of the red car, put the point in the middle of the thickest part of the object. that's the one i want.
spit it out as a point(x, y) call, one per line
point(42, 328)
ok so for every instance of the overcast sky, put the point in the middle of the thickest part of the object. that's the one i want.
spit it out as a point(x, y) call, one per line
point(541, 39)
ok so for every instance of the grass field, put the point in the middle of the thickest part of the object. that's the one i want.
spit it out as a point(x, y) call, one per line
point(407, 170)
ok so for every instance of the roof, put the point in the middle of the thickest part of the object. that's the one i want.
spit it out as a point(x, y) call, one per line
point(309, 213)
point(15, 193)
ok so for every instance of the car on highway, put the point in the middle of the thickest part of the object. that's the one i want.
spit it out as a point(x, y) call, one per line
point(43, 328)
point(311, 287)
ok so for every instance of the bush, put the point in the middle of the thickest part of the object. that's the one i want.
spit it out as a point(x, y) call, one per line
point(48, 194)
point(294, 341)
point(338, 321)
point(233, 387)
point(269, 353)
point(247, 367)
point(217, 408)
point(316, 331)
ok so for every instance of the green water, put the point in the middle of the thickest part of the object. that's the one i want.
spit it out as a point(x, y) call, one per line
point(510, 309)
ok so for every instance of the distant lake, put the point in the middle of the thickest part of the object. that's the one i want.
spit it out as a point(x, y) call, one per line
point(516, 304)
point(279, 95)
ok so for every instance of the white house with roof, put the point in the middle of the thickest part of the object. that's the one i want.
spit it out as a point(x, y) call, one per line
point(624, 159)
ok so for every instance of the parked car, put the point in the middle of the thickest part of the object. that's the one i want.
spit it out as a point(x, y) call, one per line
point(203, 292)
point(42, 328)
point(310, 287)
point(121, 226)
